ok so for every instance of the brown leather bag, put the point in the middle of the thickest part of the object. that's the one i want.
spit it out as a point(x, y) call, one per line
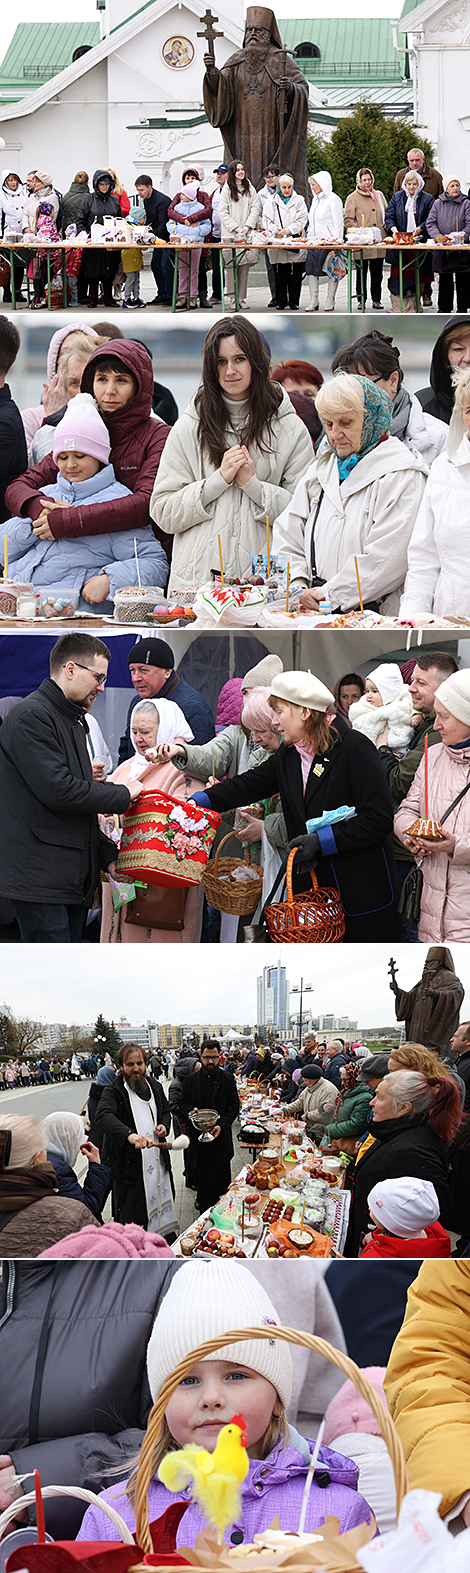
point(157, 907)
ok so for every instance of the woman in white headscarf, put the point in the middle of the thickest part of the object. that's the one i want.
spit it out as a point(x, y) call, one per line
point(406, 213)
point(153, 723)
point(385, 710)
point(64, 1140)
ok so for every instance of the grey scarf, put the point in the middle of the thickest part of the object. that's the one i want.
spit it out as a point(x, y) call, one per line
point(401, 414)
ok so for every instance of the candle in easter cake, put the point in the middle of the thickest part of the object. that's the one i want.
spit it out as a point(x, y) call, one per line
point(426, 776)
point(359, 585)
point(221, 562)
point(267, 541)
point(5, 556)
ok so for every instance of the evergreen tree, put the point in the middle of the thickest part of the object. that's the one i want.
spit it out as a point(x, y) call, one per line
point(366, 138)
point(107, 1030)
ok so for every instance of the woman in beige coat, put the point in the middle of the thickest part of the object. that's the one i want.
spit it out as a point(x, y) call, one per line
point(239, 215)
point(232, 459)
point(365, 209)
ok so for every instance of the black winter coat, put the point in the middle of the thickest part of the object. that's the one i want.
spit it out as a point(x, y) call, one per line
point(52, 848)
point(94, 209)
point(406, 1145)
point(92, 1193)
point(156, 209)
point(93, 1398)
point(13, 450)
point(356, 854)
point(218, 1091)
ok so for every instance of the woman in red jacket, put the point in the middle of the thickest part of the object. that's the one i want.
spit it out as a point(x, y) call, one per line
point(120, 377)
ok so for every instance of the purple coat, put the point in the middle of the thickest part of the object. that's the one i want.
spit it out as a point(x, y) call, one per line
point(446, 214)
point(274, 1485)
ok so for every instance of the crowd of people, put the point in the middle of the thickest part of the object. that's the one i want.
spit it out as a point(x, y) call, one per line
point(399, 1118)
point(283, 749)
point(421, 204)
point(104, 486)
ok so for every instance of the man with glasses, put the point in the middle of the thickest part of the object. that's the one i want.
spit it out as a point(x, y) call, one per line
point(52, 847)
point(210, 1087)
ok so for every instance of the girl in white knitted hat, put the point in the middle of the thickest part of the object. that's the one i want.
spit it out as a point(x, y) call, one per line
point(255, 1378)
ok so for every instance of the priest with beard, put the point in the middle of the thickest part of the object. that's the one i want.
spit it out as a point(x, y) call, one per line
point(211, 1088)
point(134, 1116)
point(260, 102)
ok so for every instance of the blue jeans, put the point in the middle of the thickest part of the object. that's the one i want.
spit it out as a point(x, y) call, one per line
point(410, 935)
point(49, 923)
point(162, 269)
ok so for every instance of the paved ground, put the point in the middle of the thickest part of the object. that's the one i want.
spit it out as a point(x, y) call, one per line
point(259, 295)
point(39, 1101)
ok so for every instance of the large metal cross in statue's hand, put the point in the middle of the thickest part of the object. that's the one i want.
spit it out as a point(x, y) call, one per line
point(209, 32)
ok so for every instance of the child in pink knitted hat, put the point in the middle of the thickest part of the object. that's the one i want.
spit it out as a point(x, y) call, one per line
point(97, 565)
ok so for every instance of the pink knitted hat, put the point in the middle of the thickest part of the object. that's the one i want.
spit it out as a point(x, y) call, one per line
point(349, 1412)
point(112, 1240)
point(82, 430)
point(58, 339)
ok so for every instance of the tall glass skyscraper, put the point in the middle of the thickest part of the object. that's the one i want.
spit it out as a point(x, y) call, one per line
point(273, 998)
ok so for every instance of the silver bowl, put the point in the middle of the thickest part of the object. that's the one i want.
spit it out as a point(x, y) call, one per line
point(204, 1120)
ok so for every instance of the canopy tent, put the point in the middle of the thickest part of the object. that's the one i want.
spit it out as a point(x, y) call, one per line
point(239, 1037)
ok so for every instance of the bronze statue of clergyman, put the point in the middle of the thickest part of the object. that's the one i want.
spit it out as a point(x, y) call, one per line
point(431, 1009)
point(259, 99)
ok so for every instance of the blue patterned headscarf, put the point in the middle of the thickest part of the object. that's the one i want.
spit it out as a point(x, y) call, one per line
point(378, 411)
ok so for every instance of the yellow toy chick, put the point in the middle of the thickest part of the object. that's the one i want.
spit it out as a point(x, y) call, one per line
point(216, 1476)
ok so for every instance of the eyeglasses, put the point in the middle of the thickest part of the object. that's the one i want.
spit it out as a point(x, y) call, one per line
point(99, 677)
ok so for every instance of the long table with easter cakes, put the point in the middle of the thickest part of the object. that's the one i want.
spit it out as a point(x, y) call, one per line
point(288, 1201)
point(263, 600)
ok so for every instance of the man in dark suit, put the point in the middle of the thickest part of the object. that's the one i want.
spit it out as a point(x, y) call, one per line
point(156, 206)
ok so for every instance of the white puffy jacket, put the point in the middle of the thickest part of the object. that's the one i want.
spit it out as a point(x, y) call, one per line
point(325, 219)
point(445, 900)
point(291, 216)
point(238, 218)
point(236, 513)
point(12, 203)
point(371, 515)
point(372, 719)
point(438, 578)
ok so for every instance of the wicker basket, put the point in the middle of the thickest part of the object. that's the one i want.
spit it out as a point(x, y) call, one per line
point(288, 1335)
point(315, 918)
point(231, 898)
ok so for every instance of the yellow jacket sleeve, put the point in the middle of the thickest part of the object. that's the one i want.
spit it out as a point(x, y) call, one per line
point(427, 1382)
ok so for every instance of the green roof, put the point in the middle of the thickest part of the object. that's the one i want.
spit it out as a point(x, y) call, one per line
point(39, 50)
point(350, 50)
point(410, 5)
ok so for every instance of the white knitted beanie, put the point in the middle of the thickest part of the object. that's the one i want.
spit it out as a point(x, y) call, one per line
point(454, 694)
point(208, 1298)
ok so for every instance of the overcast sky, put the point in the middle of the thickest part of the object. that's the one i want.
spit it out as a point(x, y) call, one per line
point(85, 11)
point(203, 984)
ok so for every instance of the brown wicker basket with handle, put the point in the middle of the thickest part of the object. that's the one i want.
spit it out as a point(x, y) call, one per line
point(227, 897)
point(314, 918)
point(288, 1335)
